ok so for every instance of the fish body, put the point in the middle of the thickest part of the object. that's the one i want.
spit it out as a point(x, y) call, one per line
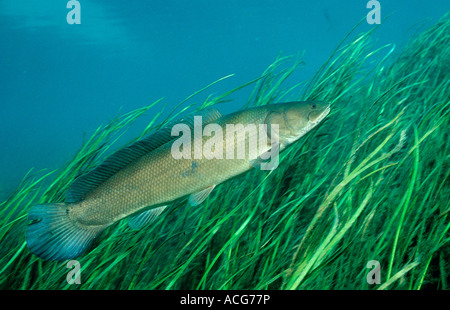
point(142, 179)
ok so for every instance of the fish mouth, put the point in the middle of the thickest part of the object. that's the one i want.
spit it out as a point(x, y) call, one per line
point(317, 116)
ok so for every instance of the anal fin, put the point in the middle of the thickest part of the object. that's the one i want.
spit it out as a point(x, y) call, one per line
point(197, 198)
point(145, 218)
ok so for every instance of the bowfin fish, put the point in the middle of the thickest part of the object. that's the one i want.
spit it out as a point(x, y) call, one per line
point(138, 182)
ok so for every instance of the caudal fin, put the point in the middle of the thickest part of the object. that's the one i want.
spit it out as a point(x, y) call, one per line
point(52, 235)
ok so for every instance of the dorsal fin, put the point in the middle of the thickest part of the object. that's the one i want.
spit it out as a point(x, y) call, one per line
point(120, 159)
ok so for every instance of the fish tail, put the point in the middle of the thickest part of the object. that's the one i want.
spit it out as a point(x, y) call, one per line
point(52, 235)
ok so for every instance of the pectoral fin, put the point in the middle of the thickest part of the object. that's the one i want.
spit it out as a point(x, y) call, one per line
point(256, 163)
point(268, 160)
point(197, 198)
point(145, 218)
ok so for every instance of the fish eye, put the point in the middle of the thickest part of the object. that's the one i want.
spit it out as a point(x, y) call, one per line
point(313, 106)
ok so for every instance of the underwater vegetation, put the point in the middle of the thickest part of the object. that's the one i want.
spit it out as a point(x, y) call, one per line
point(372, 183)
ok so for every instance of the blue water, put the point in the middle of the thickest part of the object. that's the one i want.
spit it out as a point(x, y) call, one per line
point(60, 81)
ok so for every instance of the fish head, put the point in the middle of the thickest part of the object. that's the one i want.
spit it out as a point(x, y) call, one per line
point(295, 119)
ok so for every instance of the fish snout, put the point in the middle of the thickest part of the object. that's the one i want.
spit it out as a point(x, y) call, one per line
point(319, 110)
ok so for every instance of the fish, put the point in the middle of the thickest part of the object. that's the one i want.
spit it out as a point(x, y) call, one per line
point(139, 181)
